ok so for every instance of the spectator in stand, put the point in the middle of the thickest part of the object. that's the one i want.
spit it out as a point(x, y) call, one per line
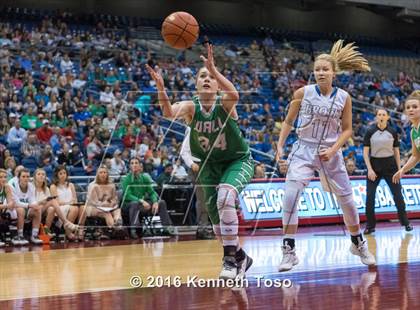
point(107, 97)
point(4, 126)
point(59, 119)
point(76, 157)
point(179, 171)
point(129, 139)
point(352, 168)
point(47, 158)
point(259, 171)
point(10, 166)
point(30, 120)
point(118, 167)
point(68, 131)
point(44, 133)
point(89, 138)
point(110, 122)
point(31, 147)
point(16, 135)
point(165, 177)
point(82, 115)
point(64, 151)
point(66, 64)
point(94, 149)
point(97, 109)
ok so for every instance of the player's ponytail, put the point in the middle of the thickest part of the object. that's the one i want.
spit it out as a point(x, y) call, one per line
point(415, 95)
point(345, 58)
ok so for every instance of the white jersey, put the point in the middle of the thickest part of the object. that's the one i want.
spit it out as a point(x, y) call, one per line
point(23, 200)
point(319, 120)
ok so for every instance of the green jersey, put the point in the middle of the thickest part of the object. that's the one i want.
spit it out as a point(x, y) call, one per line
point(215, 136)
point(415, 137)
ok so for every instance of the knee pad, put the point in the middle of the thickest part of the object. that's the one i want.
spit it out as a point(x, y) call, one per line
point(293, 190)
point(350, 214)
point(226, 198)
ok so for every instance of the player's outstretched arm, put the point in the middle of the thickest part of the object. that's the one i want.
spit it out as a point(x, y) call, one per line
point(182, 109)
point(230, 97)
point(287, 126)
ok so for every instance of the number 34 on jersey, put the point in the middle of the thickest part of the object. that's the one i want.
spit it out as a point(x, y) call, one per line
point(219, 143)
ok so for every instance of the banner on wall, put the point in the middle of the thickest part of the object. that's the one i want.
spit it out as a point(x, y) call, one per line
point(264, 201)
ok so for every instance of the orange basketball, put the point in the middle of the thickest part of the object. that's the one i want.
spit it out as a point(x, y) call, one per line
point(180, 30)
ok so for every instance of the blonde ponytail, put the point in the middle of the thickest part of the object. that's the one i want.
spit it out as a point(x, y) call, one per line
point(415, 95)
point(345, 58)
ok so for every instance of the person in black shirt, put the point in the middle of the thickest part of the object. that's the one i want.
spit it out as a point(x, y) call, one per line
point(381, 141)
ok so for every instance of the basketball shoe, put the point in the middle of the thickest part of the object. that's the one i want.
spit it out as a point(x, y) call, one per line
point(290, 258)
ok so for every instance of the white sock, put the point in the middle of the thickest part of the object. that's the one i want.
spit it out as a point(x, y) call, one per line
point(35, 232)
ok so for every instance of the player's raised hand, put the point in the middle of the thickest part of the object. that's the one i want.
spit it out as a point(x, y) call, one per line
point(157, 77)
point(209, 61)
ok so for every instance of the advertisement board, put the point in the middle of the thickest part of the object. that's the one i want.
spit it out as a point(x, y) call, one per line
point(263, 200)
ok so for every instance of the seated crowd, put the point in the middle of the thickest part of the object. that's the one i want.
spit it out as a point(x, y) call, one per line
point(33, 201)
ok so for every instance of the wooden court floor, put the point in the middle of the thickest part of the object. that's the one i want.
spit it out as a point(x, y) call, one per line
point(107, 277)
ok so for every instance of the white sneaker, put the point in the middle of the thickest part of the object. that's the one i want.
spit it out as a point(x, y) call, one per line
point(244, 265)
point(36, 240)
point(229, 268)
point(2, 244)
point(17, 240)
point(70, 226)
point(362, 250)
point(289, 258)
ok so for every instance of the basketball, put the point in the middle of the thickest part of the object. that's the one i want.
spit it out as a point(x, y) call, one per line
point(180, 30)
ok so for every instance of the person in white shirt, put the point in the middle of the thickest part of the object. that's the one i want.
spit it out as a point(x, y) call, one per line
point(26, 206)
point(15, 180)
point(106, 96)
point(67, 201)
point(66, 64)
point(179, 170)
point(16, 134)
point(49, 204)
point(110, 122)
point(117, 164)
point(204, 227)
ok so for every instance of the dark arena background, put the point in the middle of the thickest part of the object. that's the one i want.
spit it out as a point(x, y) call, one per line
point(77, 103)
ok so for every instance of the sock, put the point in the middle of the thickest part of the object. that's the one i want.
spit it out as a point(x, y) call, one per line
point(20, 232)
point(35, 232)
point(240, 255)
point(290, 242)
point(229, 250)
point(231, 242)
point(357, 239)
